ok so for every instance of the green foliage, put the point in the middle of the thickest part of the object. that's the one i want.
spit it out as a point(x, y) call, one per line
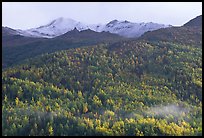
point(105, 90)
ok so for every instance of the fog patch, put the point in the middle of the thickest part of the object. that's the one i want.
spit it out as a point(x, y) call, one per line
point(166, 110)
point(35, 113)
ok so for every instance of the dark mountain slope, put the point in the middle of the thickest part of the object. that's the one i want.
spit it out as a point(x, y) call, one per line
point(182, 35)
point(17, 48)
point(89, 36)
point(8, 31)
point(195, 22)
point(190, 33)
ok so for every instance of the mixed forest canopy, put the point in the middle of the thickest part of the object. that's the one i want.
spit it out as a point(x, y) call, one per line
point(141, 87)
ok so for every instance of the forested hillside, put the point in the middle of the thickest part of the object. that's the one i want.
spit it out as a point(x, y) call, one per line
point(151, 86)
point(127, 88)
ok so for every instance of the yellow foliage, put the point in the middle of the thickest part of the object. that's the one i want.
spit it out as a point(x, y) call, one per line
point(17, 101)
point(85, 108)
point(50, 130)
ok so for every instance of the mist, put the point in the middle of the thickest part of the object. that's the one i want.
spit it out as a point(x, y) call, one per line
point(166, 110)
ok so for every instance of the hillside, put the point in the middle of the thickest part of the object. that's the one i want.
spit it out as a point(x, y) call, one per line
point(182, 35)
point(11, 38)
point(190, 33)
point(151, 86)
point(16, 48)
point(106, 90)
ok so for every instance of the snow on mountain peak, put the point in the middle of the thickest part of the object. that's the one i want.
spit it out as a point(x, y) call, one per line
point(63, 25)
point(129, 29)
point(112, 23)
point(55, 28)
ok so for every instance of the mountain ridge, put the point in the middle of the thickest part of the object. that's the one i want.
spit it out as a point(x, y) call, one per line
point(14, 43)
point(63, 25)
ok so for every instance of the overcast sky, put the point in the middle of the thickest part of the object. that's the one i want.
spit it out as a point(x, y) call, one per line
point(25, 15)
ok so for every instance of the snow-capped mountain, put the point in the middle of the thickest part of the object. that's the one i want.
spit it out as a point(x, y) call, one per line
point(56, 28)
point(128, 29)
point(62, 25)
